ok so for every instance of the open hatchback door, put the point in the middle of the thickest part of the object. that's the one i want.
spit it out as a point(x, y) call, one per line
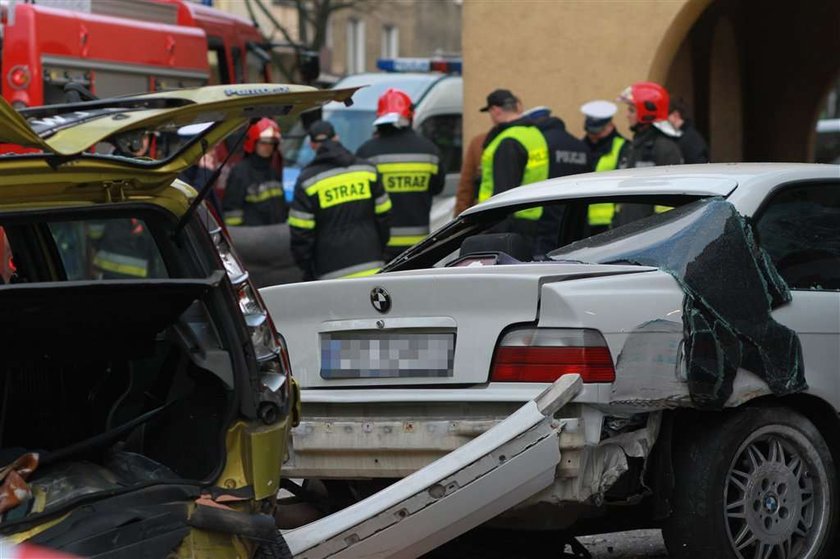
point(66, 135)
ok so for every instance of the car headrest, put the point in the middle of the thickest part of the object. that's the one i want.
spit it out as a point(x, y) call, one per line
point(512, 244)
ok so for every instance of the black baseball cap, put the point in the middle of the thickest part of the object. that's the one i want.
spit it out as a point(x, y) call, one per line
point(499, 98)
point(321, 130)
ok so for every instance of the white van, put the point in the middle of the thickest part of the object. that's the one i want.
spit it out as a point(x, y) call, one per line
point(435, 87)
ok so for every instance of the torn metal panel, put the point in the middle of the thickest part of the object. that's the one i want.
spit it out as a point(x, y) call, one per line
point(730, 288)
point(594, 470)
point(649, 370)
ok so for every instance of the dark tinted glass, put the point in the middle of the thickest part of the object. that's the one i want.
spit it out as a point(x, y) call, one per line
point(800, 230)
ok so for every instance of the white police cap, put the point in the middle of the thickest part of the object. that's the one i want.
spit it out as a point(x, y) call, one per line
point(599, 109)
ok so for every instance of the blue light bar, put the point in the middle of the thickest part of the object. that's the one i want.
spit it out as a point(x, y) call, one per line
point(419, 65)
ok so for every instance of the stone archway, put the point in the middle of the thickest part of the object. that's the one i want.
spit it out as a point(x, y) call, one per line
point(756, 77)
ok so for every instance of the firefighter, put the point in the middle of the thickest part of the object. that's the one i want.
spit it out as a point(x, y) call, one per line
point(654, 140)
point(654, 137)
point(127, 251)
point(339, 216)
point(409, 168)
point(254, 190)
point(515, 153)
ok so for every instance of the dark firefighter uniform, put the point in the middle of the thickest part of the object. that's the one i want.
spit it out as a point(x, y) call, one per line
point(650, 147)
point(127, 250)
point(339, 216)
point(409, 168)
point(254, 193)
point(515, 153)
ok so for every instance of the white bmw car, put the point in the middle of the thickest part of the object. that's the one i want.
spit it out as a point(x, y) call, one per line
point(700, 305)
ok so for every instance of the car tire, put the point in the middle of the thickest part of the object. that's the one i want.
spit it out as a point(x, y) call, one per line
point(759, 482)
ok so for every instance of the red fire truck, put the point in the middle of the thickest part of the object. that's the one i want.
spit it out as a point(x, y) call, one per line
point(121, 47)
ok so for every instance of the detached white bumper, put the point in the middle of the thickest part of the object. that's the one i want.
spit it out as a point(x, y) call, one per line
point(483, 478)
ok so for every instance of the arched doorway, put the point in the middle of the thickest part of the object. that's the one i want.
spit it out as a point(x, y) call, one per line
point(756, 75)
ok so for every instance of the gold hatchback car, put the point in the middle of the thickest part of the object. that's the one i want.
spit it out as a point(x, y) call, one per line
point(145, 395)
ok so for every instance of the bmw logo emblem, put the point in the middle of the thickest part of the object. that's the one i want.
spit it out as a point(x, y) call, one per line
point(380, 299)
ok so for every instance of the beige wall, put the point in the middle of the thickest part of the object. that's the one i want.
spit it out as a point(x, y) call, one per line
point(562, 53)
point(755, 74)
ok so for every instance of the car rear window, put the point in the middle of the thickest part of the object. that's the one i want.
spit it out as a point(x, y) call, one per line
point(115, 248)
point(530, 233)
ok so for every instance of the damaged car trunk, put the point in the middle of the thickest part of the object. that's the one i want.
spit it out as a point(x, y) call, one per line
point(730, 288)
point(117, 382)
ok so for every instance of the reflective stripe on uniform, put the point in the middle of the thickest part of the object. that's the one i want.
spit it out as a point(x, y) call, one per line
point(234, 217)
point(662, 209)
point(264, 195)
point(121, 264)
point(405, 240)
point(404, 158)
point(347, 186)
point(406, 172)
point(301, 220)
point(412, 167)
point(309, 184)
point(409, 231)
point(356, 271)
point(407, 236)
point(609, 161)
point(536, 167)
point(601, 214)
point(383, 204)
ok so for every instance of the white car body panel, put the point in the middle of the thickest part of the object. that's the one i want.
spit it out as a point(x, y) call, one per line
point(389, 427)
point(461, 293)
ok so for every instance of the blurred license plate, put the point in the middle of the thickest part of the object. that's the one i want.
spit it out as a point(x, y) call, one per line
point(379, 354)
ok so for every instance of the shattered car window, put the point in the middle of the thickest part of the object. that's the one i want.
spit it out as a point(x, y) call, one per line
point(730, 287)
point(527, 240)
point(800, 230)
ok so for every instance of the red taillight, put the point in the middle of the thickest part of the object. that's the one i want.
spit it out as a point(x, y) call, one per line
point(19, 77)
point(546, 354)
point(268, 345)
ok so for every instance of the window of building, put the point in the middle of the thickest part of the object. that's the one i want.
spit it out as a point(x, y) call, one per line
point(355, 46)
point(800, 230)
point(390, 41)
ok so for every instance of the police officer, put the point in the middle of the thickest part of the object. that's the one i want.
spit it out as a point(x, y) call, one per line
point(608, 148)
point(339, 216)
point(409, 168)
point(601, 136)
point(254, 190)
point(567, 156)
point(515, 153)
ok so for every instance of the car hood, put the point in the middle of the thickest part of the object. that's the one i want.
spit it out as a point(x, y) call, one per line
point(65, 134)
point(473, 304)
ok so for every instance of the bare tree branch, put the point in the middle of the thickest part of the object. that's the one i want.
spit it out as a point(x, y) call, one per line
point(273, 20)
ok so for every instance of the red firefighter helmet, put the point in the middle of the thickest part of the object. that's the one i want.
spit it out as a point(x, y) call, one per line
point(394, 108)
point(264, 129)
point(650, 99)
